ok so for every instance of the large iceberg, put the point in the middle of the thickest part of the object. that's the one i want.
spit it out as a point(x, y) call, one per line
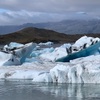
point(83, 47)
point(81, 70)
point(91, 50)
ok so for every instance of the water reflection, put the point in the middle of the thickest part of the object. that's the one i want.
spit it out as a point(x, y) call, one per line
point(76, 91)
point(26, 90)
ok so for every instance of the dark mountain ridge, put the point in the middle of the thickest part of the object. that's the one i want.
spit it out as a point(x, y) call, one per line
point(31, 34)
point(37, 35)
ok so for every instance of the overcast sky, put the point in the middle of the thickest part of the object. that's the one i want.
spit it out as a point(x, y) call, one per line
point(35, 11)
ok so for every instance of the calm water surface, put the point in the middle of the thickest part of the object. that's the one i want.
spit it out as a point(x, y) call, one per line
point(26, 90)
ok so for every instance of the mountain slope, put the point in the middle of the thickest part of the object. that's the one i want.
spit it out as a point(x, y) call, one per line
point(33, 34)
point(37, 35)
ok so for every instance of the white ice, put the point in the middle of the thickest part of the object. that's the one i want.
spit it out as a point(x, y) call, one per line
point(46, 44)
point(43, 68)
point(57, 53)
point(88, 41)
point(17, 56)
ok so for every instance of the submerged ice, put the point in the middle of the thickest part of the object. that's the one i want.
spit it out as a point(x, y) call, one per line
point(39, 64)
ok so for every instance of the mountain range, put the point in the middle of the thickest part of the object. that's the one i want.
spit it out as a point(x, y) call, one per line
point(65, 26)
point(31, 34)
point(38, 35)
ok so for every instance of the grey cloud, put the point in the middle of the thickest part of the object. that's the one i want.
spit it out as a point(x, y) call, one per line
point(35, 11)
point(20, 17)
point(58, 6)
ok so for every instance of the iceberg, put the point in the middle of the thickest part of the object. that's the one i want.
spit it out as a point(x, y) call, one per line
point(93, 49)
point(83, 47)
point(81, 70)
point(40, 64)
point(24, 52)
point(17, 56)
point(84, 70)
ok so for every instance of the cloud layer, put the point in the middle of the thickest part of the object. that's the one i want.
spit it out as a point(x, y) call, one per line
point(51, 5)
point(23, 11)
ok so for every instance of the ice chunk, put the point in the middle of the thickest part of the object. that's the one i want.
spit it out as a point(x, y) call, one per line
point(24, 52)
point(84, 42)
point(21, 74)
point(59, 52)
point(13, 45)
point(75, 74)
point(37, 53)
point(43, 77)
point(46, 44)
point(59, 73)
point(8, 59)
point(17, 56)
point(66, 45)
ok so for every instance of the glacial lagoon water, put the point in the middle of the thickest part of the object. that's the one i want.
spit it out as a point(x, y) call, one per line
point(26, 90)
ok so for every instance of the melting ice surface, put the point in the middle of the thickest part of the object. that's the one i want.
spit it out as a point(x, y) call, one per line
point(41, 65)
